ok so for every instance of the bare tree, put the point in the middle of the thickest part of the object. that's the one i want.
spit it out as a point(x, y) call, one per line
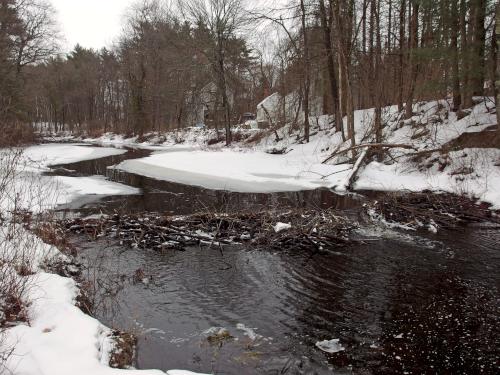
point(37, 40)
point(27, 36)
point(307, 68)
point(497, 82)
point(223, 19)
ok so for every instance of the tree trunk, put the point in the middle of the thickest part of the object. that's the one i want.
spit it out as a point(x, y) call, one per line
point(497, 82)
point(457, 99)
point(223, 89)
point(477, 81)
point(379, 80)
point(412, 69)
point(307, 83)
point(465, 55)
point(327, 39)
point(343, 41)
point(402, 21)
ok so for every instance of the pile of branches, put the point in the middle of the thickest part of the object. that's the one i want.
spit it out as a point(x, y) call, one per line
point(430, 210)
point(306, 229)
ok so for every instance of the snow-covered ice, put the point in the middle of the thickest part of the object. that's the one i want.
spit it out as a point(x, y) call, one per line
point(30, 189)
point(54, 154)
point(233, 170)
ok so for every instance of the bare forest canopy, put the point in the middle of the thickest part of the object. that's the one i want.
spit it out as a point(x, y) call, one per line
point(181, 64)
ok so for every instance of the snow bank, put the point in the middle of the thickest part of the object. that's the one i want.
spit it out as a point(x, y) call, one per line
point(481, 178)
point(188, 138)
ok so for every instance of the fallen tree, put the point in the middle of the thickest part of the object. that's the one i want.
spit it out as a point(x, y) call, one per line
point(368, 146)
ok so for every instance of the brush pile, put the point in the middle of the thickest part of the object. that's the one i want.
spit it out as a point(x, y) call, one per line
point(306, 229)
point(429, 210)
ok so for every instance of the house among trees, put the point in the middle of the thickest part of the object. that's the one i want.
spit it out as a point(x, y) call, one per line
point(205, 106)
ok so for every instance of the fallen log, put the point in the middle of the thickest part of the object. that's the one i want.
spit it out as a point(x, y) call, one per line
point(346, 185)
point(370, 145)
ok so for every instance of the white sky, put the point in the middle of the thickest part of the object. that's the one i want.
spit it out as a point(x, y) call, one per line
point(92, 23)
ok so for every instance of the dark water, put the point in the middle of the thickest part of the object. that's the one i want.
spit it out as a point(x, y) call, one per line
point(399, 303)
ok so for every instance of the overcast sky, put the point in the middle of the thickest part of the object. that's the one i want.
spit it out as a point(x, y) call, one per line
point(92, 23)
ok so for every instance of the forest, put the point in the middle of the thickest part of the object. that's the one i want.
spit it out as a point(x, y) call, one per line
point(334, 56)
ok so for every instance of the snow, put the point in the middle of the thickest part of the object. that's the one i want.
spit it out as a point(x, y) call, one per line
point(482, 183)
point(279, 227)
point(58, 339)
point(95, 185)
point(188, 138)
point(250, 169)
point(330, 346)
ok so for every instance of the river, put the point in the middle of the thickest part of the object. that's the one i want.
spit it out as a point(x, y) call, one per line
point(398, 302)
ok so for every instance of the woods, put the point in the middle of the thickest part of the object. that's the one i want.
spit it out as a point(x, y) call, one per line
point(209, 62)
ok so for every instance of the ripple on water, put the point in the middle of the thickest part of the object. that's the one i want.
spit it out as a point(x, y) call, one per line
point(389, 302)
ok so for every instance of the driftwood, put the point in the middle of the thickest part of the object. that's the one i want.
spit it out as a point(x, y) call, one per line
point(369, 145)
